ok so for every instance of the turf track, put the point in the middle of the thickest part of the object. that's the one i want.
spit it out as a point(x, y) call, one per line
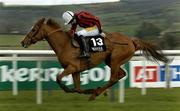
point(155, 100)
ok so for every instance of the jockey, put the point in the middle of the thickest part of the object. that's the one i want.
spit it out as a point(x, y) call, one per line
point(91, 27)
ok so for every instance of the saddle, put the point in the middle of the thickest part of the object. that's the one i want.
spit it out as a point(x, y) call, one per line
point(95, 43)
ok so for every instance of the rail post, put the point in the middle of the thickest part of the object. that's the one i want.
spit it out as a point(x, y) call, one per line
point(14, 83)
point(168, 76)
point(143, 89)
point(39, 85)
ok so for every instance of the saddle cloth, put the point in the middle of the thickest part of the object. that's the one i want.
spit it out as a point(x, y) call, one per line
point(95, 43)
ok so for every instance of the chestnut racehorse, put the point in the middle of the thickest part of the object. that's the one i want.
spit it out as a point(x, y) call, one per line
point(119, 50)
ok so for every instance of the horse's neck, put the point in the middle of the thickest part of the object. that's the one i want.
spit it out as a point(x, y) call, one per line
point(57, 41)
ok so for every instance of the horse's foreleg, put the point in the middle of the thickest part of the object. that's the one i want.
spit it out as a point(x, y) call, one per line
point(66, 72)
point(64, 87)
point(76, 79)
point(115, 76)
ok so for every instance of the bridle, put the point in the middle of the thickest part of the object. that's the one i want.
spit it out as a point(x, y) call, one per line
point(34, 39)
point(50, 33)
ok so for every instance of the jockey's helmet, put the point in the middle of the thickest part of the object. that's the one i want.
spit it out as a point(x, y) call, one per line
point(67, 17)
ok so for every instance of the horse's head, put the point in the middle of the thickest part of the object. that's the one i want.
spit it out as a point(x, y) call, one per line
point(36, 34)
point(42, 30)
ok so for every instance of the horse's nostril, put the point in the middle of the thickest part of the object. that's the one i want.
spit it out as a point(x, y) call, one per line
point(22, 43)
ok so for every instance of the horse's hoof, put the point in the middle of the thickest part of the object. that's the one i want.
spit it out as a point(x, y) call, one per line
point(57, 81)
point(92, 97)
point(90, 91)
point(105, 94)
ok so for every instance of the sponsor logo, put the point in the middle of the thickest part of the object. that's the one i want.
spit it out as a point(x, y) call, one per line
point(30, 75)
point(155, 73)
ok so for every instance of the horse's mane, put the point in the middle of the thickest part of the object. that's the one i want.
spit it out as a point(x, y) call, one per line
point(53, 23)
point(56, 25)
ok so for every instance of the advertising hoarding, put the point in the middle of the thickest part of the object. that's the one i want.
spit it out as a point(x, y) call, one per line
point(27, 72)
point(154, 74)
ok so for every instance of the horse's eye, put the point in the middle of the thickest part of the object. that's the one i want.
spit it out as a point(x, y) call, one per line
point(33, 30)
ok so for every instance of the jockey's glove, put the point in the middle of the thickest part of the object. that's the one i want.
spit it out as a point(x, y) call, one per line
point(102, 34)
point(71, 33)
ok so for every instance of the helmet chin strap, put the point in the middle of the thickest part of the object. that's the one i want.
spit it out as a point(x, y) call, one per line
point(73, 21)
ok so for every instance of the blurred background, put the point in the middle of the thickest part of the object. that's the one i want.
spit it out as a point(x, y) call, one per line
point(154, 20)
point(157, 21)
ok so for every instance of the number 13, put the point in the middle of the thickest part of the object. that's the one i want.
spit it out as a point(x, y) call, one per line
point(97, 41)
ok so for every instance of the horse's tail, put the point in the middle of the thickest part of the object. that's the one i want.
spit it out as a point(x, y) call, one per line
point(150, 51)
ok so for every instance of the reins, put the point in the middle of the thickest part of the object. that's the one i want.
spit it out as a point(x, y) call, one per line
point(59, 29)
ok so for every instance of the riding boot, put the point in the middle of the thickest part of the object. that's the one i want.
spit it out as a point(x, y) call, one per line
point(84, 48)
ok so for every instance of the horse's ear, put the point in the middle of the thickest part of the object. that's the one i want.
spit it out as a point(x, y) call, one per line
point(49, 21)
point(41, 21)
point(52, 23)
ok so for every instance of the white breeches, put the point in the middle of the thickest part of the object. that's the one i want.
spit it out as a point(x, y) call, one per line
point(91, 31)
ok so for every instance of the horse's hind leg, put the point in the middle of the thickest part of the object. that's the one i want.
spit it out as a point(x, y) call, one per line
point(115, 76)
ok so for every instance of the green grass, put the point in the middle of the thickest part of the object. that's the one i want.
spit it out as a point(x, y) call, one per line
point(155, 100)
point(12, 42)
